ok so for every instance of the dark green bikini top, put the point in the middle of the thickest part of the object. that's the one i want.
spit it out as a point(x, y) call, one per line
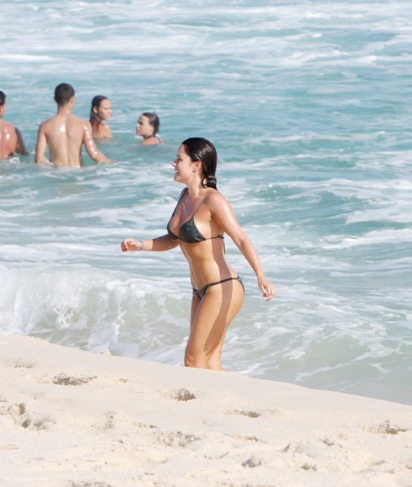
point(188, 231)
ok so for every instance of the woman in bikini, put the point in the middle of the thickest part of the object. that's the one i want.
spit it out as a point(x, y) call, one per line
point(147, 127)
point(198, 223)
point(100, 111)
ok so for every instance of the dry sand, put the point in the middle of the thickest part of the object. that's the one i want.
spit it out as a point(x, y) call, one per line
point(70, 418)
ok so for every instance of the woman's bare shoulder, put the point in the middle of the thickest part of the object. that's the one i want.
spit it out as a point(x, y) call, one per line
point(101, 131)
point(216, 201)
point(107, 131)
point(215, 195)
point(149, 141)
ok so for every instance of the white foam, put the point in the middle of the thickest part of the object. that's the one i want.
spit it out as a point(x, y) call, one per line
point(312, 132)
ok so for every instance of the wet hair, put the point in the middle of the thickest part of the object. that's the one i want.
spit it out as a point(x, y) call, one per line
point(96, 103)
point(199, 149)
point(153, 120)
point(63, 93)
point(2, 98)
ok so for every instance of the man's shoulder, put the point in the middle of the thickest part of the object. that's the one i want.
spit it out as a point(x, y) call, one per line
point(79, 125)
point(78, 120)
point(68, 120)
point(6, 125)
point(48, 121)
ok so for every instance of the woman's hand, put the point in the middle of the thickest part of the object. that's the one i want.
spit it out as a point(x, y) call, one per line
point(267, 288)
point(131, 244)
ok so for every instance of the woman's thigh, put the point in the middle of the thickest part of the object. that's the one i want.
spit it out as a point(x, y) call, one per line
point(195, 305)
point(213, 315)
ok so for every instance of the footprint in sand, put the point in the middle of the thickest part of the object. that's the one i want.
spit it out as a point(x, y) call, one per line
point(388, 428)
point(19, 363)
point(180, 395)
point(64, 379)
point(176, 439)
point(249, 414)
point(20, 415)
point(252, 462)
point(243, 438)
point(119, 420)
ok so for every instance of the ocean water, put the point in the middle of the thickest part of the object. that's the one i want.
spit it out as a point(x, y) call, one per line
point(308, 105)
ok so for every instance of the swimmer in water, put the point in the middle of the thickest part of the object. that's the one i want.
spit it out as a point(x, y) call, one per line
point(11, 140)
point(100, 111)
point(201, 218)
point(147, 127)
point(65, 133)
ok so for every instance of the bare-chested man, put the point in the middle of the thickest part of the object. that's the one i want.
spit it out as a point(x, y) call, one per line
point(11, 140)
point(65, 133)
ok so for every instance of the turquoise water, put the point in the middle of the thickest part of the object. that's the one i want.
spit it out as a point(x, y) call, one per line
point(307, 103)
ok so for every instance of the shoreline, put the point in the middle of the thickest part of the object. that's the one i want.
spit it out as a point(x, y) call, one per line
point(74, 418)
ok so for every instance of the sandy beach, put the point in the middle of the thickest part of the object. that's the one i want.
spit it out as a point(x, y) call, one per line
point(70, 418)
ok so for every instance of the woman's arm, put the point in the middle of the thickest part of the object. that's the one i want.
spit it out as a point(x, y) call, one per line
point(222, 213)
point(159, 244)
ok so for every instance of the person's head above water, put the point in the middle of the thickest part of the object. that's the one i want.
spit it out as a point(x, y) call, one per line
point(2, 103)
point(200, 149)
point(148, 125)
point(64, 94)
point(101, 109)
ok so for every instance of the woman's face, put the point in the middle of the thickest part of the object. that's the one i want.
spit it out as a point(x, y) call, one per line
point(183, 166)
point(143, 127)
point(104, 112)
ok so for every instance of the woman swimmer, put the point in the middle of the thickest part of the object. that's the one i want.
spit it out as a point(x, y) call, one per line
point(201, 217)
point(101, 110)
point(147, 127)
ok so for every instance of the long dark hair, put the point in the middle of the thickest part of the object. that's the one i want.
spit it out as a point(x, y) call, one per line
point(199, 149)
point(96, 103)
point(153, 120)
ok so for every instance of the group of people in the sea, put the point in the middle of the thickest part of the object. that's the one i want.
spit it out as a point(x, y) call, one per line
point(101, 111)
point(201, 218)
point(65, 133)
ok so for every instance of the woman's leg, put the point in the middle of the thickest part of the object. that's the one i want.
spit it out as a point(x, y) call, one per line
point(195, 305)
point(209, 321)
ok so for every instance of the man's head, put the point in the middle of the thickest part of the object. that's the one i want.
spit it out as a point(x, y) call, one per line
point(64, 94)
point(2, 103)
